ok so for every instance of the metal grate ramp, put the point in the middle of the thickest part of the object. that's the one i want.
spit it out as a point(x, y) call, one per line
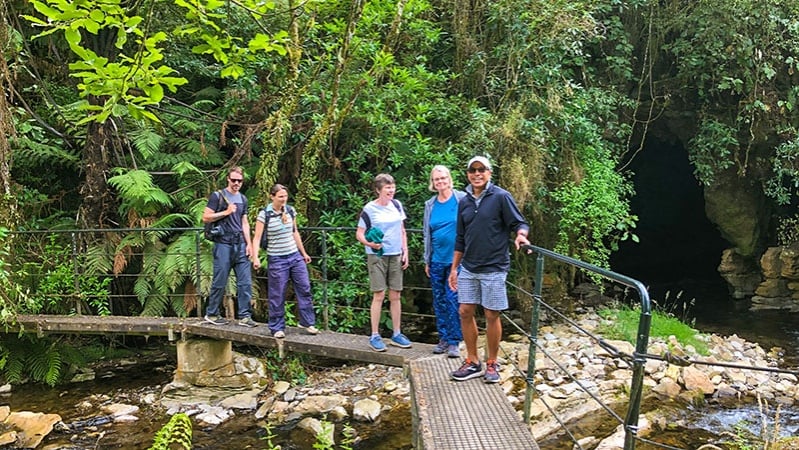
point(453, 415)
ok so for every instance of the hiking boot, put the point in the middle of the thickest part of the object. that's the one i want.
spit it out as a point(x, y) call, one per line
point(401, 341)
point(215, 320)
point(440, 348)
point(467, 371)
point(453, 351)
point(279, 334)
point(248, 322)
point(310, 330)
point(376, 343)
point(492, 372)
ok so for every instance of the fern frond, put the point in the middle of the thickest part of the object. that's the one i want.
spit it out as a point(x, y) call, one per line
point(177, 431)
point(146, 141)
point(34, 154)
point(98, 259)
point(139, 193)
point(45, 365)
point(185, 168)
point(174, 220)
point(142, 288)
point(156, 305)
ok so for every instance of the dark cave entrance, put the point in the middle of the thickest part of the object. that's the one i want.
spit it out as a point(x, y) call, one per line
point(679, 248)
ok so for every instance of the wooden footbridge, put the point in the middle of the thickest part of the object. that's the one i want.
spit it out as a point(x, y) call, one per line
point(447, 415)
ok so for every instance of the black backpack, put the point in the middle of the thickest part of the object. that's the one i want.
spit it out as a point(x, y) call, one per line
point(368, 222)
point(264, 235)
point(213, 230)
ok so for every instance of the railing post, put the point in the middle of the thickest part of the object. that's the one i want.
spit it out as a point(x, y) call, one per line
point(637, 383)
point(529, 388)
point(198, 272)
point(325, 317)
point(76, 272)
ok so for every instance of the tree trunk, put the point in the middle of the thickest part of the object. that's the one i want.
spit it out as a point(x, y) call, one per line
point(97, 209)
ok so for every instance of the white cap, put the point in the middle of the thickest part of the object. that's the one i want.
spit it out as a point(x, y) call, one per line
point(482, 160)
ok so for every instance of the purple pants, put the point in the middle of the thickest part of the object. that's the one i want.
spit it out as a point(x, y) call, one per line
point(281, 270)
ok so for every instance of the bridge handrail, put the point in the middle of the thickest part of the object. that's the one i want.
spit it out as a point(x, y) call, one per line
point(641, 344)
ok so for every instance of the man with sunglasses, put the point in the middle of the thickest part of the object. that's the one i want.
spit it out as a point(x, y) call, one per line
point(232, 249)
point(486, 217)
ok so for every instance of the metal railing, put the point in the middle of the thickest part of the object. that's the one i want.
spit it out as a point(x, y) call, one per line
point(642, 340)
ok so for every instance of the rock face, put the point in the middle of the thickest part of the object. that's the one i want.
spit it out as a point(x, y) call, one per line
point(738, 207)
point(771, 282)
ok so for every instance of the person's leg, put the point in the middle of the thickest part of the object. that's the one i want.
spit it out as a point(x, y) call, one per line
point(302, 288)
point(469, 328)
point(221, 254)
point(439, 286)
point(278, 269)
point(378, 283)
point(452, 323)
point(493, 333)
point(243, 269)
point(376, 309)
point(494, 300)
point(395, 306)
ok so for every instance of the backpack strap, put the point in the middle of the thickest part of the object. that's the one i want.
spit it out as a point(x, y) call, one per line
point(267, 216)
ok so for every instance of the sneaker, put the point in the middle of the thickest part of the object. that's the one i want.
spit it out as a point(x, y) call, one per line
point(467, 371)
point(310, 330)
point(492, 372)
point(453, 351)
point(215, 320)
point(376, 342)
point(401, 341)
point(248, 322)
point(440, 348)
point(279, 334)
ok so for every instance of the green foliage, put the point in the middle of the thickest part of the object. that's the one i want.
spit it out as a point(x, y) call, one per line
point(325, 439)
point(130, 81)
point(734, 64)
point(710, 149)
point(138, 194)
point(289, 368)
point(623, 324)
point(58, 282)
point(269, 437)
point(28, 357)
point(784, 185)
point(176, 432)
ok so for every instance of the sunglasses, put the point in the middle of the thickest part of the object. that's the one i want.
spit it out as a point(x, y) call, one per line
point(236, 180)
point(476, 169)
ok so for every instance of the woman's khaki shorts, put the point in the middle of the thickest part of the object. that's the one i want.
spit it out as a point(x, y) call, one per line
point(385, 272)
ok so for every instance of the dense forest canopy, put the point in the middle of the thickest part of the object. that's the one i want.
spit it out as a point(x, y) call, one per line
point(125, 113)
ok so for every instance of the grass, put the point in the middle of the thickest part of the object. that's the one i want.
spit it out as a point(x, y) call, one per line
point(624, 326)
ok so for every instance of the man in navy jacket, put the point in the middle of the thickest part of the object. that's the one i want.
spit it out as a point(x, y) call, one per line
point(486, 217)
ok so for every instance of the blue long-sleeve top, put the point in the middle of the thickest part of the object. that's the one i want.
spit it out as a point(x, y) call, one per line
point(484, 227)
point(428, 233)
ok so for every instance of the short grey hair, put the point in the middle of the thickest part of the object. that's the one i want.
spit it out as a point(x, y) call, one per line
point(383, 179)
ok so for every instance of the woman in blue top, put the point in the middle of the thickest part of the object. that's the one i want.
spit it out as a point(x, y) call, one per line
point(439, 227)
point(286, 259)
